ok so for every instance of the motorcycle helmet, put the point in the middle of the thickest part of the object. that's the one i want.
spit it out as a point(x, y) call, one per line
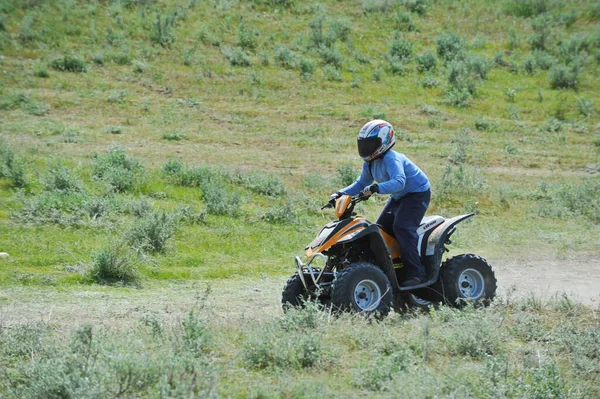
point(374, 139)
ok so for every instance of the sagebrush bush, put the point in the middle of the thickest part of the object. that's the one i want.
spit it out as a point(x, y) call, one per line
point(541, 32)
point(114, 264)
point(332, 74)
point(60, 178)
point(400, 48)
point(12, 167)
point(330, 55)
point(449, 46)
point(284, 213)
point(247, 37)
point(175, 172)
point(69, 63)
point(285, 57)
point(346, 174)
point(426, 62)
point(573, 199)
point(117, 170)
point(307, 68)
point(162, 30)
point(527, 8)
point(52, 207)
point(417, 6)
point(152, 232)
point(585, 107)
point(261, 183)
point(404, 22)
point(220, 200)
point(236, 56)
point(564, 77)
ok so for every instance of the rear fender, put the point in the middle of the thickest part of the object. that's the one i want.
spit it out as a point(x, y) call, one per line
point(437, 240)
point(379, 249)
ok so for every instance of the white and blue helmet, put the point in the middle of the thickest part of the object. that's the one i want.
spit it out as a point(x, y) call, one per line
point(374, 139)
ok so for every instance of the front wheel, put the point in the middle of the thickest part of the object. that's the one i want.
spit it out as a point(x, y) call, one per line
point(363, 288)
point(467, 278)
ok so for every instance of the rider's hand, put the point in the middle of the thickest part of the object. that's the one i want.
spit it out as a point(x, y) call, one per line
point(369, 190)
point(334, 196)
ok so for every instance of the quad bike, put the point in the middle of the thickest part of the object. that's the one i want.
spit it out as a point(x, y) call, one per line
point(361, 270)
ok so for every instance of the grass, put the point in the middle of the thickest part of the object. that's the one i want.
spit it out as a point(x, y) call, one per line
point(516, 348)
point(123, 120)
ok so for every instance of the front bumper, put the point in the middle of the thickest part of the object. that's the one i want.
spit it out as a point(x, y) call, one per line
point(307, 270)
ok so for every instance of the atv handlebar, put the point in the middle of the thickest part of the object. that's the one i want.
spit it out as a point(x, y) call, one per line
point(360, 197)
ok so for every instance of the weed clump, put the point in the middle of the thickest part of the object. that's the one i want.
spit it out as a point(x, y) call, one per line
point(577, 198)
point(283, 214)
point(118, 170)
point(237, 56)
point(69, 63)
point(220, 201)
point(60, 178)
point(346, 174)
point(151, 233)
point(260, 183)
point(426, 62)
point(162, 30)
point(449, 46)
point(114, 264)
point(564, 77)
point(12, 167)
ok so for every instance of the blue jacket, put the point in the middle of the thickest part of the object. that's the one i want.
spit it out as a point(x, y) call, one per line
point(395, 174)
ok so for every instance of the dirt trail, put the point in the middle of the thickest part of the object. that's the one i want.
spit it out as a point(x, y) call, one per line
point(255, 299)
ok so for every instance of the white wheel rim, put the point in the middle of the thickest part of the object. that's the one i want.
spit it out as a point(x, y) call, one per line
point(471, 284)
point(367, 295)
point(420, 301)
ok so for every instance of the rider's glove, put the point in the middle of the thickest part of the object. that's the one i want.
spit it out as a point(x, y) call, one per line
point(334, 196)
point(373, 188)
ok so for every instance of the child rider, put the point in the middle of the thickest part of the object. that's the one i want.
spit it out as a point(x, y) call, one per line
point(407, 185)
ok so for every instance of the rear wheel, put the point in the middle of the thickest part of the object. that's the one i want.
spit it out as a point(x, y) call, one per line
point(363, 288)
point(465, 278)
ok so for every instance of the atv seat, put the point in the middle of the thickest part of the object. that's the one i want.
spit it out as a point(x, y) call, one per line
point(428, 219)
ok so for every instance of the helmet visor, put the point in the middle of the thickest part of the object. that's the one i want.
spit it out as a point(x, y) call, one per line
point(368, 146)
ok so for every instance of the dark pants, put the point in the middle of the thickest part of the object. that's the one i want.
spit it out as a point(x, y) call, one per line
point(403, 216)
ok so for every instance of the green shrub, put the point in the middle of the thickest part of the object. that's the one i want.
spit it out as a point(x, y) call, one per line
point(381, 6)
point(151, 233)
point(69, 63)
point(174, 136)
point(417, 6)
point(41, 72)
point(220, 201)
point(236, 56)
point(404, 22)
point(261, 183)
point(543, 60)
point(162, 30)
point(346, 174)
point(572, 199)
point(541, 32)
point(375, 374)
point(449, 46)
point(429, 81)
point(564, 77)
point(197, 337)
point(186, 214)
point(12, 167)
point(307, 68)
point(65, 209)
point(114, 264)
point(246, 37)
point(60, 178)
point(529, 65)
point(526, 8)
point(400, 48)
point(284, 213)
point(478, 66)
point(118, 170)
point(332, 74)
point(176, 173)
point(330, 55)
point(486, 125)
point(585, 107)
point(285, 57)
point(462, 83)
point(426, 62)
